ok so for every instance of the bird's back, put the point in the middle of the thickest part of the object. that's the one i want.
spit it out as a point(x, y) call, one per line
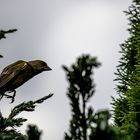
point(14, 75)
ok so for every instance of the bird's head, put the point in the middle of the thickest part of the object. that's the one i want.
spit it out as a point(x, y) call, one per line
point(39, 66)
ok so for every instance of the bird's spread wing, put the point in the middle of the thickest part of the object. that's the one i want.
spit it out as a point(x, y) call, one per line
point(11, 71)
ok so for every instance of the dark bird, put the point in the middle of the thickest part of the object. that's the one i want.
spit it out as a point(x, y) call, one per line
point(16, 74)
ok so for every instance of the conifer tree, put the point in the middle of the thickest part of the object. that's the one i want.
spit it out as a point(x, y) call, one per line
point(9, 125)
point(127, 106)
point(80, 90)
point(85, 124)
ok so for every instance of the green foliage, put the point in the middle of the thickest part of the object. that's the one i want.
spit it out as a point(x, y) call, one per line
point(81, 88)
point(85, 124)
point(9, 125)
point(126, 107)
point(104, 130)
point(33, 132)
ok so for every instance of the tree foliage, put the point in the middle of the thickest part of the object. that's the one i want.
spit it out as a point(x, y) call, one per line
point(81, 88)
point(126, 107)
point(9, 125)
point(85, 124)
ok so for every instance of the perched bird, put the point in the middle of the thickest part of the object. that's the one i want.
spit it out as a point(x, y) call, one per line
point(16, 74)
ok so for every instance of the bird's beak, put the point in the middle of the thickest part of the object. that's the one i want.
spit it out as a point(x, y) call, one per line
point(47, 69)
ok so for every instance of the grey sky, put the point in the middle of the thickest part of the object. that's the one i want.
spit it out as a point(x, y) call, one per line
point(58, 31)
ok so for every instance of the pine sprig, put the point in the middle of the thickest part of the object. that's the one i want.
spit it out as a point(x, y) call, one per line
point(27, 106)
point(8, 125)
point(4, 32)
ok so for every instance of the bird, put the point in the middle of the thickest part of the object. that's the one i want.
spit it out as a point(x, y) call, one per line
point(17, 73)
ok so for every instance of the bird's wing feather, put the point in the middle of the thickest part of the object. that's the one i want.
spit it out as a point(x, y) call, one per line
point(11, 71)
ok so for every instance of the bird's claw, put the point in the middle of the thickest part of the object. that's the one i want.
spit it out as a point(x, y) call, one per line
point(9, 96)
point(12, 98)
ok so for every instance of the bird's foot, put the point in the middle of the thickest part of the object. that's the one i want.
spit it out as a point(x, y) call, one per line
point(11, 96)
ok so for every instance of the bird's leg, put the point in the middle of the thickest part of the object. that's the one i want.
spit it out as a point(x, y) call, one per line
point(13, 96)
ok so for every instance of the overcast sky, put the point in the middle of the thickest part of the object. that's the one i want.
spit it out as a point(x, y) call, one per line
point(58, 31)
